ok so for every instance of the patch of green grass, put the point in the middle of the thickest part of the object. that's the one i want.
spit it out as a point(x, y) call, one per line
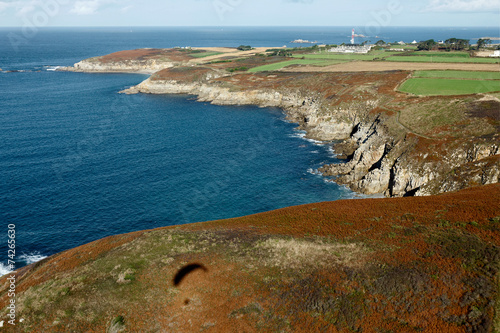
point(118, 320)
point(219, 61)
point(406, 47)
point(458, 75)
point(204, 54)
point(237, 69)
point(130, 277)
point(435, 87)
point(431, 58)
point(280, 65)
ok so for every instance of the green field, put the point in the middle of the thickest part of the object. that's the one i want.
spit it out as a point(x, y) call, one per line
point(429, 87)
point(442, 54)
point(280, 65)
point(336, 56)
point(458, 75)
point(204, 54)
point(442, 59)
point(406, 47)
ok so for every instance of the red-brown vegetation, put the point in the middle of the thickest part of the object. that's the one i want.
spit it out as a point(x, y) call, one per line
point(422, 264)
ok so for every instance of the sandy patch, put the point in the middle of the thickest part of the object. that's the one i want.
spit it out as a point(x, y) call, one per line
point(227, 51)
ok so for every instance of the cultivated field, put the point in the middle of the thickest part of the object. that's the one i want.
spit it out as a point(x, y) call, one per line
point(376, 66)
point(430, 83)
point(458, 75)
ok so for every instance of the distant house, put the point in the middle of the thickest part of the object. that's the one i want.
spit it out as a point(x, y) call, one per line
point(495, 54)
point(414, 42)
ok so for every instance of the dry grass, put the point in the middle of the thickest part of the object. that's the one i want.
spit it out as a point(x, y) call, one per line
point(295, 253)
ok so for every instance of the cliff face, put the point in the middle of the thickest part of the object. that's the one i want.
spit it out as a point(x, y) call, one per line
point(383, 157)
point(125, 66)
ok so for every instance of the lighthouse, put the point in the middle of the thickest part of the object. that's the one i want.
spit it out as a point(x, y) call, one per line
point(352, 37)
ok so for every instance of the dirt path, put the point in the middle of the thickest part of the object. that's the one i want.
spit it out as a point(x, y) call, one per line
point(227, 51)
point(377, 66)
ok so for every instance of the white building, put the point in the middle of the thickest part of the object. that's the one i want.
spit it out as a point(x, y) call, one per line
point(351, 49)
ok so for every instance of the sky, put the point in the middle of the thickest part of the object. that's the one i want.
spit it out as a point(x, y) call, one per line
point(51, 13)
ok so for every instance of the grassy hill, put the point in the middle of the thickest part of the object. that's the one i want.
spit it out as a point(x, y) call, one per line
point(419, 264)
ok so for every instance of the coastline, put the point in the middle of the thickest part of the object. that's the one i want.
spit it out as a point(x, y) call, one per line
point(383, 154)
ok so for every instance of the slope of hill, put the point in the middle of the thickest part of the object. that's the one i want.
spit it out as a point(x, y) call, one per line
point(420, 264)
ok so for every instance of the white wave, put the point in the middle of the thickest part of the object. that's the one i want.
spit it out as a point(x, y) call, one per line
point(298, 134)
point(331, 151)
point(22, 260)
point(314, 172)
point(315, 152)
point(53, 68)
point(32, 257)
point(4, 269)
point(302, 135)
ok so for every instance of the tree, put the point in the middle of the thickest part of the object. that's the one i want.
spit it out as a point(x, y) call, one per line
point(456, 44)
point(483, 42)
point(380, 43)
point(426, 45)
point(244, 48)
point(281, 53)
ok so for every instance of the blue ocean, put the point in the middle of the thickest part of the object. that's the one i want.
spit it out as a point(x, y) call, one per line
point(79, 162)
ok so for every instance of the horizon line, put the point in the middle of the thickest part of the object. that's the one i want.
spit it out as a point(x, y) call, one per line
point(249, 26)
